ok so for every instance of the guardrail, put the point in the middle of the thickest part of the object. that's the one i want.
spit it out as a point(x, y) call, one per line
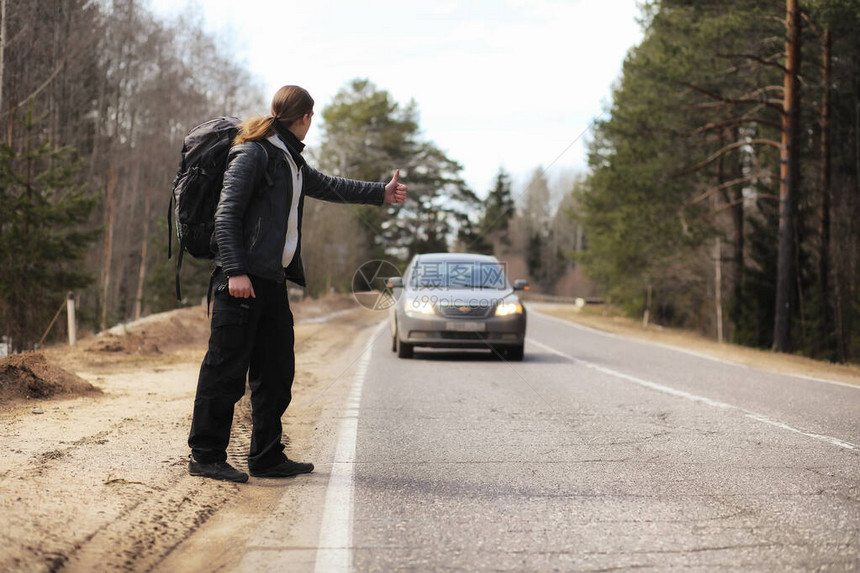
point(575, 300)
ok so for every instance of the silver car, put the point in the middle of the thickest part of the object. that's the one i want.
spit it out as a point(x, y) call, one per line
point(457, 300)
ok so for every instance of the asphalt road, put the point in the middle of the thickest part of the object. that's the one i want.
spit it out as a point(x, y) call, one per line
point(595, 453)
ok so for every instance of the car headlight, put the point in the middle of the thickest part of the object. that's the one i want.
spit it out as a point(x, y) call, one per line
point(508, 308)
point(420, 305)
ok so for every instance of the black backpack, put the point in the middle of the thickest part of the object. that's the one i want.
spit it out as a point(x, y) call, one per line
point(197, 188)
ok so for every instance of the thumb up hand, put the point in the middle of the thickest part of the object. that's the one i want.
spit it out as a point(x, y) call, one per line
point(395, 191)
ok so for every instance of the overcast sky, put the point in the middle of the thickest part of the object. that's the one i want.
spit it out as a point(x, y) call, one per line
point(508, 83)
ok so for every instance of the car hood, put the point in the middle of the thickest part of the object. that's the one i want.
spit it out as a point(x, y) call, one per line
point(463, 297)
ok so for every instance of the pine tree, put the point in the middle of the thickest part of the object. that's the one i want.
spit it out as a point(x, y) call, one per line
point(42, 237)
point(499, 205)
point(491, 227)
point(366, 135)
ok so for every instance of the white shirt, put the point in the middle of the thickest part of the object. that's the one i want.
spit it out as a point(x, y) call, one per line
point(292, 241)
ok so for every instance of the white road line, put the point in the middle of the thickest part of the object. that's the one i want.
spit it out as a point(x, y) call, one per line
point(687, 395)
point(334, 551)
point(685, 351)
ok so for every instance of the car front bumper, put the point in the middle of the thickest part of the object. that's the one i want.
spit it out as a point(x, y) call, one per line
point(439, 332)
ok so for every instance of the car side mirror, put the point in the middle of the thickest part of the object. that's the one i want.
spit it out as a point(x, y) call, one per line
point(394, 282)
point(521, 284)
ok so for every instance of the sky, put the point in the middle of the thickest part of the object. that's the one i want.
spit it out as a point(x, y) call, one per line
point(497, 83)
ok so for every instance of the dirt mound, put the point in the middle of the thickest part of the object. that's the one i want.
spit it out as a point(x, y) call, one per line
point(311, 308)
point(166, 332)
point(127, 344)
point(29, 375)
point(155, 334)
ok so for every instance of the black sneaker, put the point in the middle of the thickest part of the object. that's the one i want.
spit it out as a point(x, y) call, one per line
point(284, 469)
point(217, 470)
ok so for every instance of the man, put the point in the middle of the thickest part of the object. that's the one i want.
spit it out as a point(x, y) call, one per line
point(258, 226)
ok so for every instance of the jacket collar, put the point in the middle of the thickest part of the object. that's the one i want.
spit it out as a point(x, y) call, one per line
point(289, 143)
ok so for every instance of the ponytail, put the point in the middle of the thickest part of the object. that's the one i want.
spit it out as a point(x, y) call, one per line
point(255, 129)
point(289, 104)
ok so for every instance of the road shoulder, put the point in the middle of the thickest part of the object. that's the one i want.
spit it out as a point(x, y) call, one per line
point(99, 481)
point(690, 342)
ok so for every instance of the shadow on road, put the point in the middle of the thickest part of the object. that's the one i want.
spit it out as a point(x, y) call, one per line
point(473, 355)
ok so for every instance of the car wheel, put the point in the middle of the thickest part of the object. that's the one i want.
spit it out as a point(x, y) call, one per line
point(515, 353)
point(403, 350)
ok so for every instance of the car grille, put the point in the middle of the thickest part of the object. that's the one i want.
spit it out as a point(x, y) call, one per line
point(432, 335)
point(463, 311)
point(462, 335)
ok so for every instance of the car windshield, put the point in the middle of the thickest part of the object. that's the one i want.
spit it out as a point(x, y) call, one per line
point(458, 274)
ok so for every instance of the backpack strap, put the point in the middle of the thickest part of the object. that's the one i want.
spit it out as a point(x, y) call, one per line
point(170, 206)
point(179, 268)
point(209, 288)
point(270, 163)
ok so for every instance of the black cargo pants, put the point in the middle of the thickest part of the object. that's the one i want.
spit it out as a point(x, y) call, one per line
point(252, 336)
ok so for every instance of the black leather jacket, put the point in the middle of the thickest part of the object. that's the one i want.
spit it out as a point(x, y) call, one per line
point(251, 219)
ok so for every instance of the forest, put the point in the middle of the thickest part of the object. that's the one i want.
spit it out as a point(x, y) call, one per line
point(721, 193)
point(96, 99)
point(723, 188)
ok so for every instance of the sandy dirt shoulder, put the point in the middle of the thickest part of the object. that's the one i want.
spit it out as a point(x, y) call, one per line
point(99, 481)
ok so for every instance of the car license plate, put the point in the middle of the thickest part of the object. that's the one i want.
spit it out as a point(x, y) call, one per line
point(466, 326)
